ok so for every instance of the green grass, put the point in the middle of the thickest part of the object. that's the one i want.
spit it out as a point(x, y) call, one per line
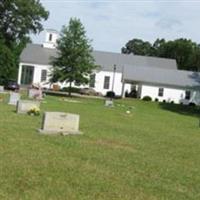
point(153, 153)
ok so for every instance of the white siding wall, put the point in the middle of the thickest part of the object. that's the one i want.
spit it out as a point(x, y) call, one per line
point(54, 37)
point(99, 83)
point(50, 44)
point(99, 79)
point(37, 72)
point(170, 94)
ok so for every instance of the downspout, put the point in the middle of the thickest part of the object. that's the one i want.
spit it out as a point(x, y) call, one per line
point(123, 84)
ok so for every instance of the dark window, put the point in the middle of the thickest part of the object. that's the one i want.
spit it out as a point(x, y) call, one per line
point(187, 95)
point(92, 80)
point(106, 82)
point(27, 75)
point(50, 37)
point(43, 75)
point(160, 92)
point(77, 83)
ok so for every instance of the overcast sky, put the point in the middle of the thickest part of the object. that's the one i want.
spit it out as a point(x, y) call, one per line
point(110, 24)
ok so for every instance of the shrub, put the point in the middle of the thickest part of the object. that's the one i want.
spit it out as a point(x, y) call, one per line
point(146, 98)
point(132, 94)
point(110, 94)
point(164, 101)
point(73, 89)
point(172, 102)
point(156, 99)
point(192, 104)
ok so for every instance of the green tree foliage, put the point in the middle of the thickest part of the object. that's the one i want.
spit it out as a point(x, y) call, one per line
point(7, 69)
point(74, 62)
point(186, 52)
point(137, 47)
point(18, 18)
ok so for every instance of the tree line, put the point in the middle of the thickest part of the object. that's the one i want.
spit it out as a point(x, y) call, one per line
point(185, 51)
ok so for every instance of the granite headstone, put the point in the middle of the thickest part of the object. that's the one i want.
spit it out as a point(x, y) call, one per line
point(24, 106)
point(60, 122)
point(35, 94)
point(109, 103)
point(2, 89)
point(14, 98)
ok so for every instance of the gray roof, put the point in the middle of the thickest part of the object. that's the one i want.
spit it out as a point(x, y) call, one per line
point(143, 69)
point(107, 60)
point(168, 77)
point(52, 30)
point(36, 54)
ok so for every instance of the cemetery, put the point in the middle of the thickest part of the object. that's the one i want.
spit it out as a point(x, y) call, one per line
point(126, 145)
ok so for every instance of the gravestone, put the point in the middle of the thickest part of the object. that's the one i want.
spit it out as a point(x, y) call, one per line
point(60, 122)
point(35, 94)
point(14, 98)
point(2, 89)
point(24, 106)
point(109, 103)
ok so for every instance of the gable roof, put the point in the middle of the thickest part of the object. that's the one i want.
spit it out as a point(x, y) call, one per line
point(36, 54)
point(108, 59)
point(168, 77)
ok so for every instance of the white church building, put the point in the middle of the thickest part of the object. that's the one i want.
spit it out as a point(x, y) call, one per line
point(157, 78)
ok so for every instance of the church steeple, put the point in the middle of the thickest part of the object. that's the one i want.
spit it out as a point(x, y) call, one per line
point(51, 37)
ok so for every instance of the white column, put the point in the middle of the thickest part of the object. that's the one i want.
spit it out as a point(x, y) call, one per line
point(123, 92)
point(19, 74)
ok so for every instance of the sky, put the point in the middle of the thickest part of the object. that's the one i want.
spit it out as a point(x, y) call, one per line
point(110, 24)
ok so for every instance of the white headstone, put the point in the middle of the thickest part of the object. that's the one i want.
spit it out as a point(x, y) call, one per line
point(24, 106)
point(109, 103)
point(2, 89)
point(14, 98)
point(35, 94)
point(60, 122)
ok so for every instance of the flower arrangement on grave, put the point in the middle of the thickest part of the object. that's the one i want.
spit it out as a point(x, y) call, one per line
point(34, 111)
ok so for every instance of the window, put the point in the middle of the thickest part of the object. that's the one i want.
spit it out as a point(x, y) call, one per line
point(27, 75)
point(50, 37)
point(187, 95)
point(160, 92)
point(106, 82)
point(77, 83)
point(92, 80)
point(43, 75)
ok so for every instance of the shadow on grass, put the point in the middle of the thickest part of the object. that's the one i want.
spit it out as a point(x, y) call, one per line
point(182, 109)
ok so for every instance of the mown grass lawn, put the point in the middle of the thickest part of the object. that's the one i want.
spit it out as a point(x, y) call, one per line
point(152, 153)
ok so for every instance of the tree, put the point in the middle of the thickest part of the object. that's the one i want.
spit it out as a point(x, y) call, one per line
point(137, 47)
point(186, 52)
point(7, 63)
point(74, 61)
point(19, 18)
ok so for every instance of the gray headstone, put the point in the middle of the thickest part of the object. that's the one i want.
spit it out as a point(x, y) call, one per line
point(2, 89)
point(24, 106)
point(109, 103)
point(14, 98)
point(35, 94)
point(60, 122)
